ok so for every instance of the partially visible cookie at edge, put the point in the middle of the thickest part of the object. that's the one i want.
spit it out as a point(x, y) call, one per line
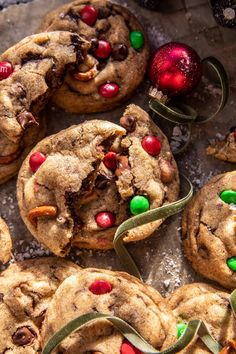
point(224, 149)
point(117, 60)
point(39, 63)
point(209, 304)
point(209, 230)
point(26, 289)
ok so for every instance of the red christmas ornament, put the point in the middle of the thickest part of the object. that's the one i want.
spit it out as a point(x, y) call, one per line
point(36, 160)
point(151, 145)
point(103, 50)
point(109, 90)
point(6, 69)
point(105, 219)
point(175, 69)
point(128, 348)
point(100, 287)
point(110, 160)
point(89, 15)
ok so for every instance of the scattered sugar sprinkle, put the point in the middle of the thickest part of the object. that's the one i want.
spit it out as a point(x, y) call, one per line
point(24, 250)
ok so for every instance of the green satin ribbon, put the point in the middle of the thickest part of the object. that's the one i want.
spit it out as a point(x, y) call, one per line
point(232, 301)
point(194, 327)
point(145, 218)
point(182, 113)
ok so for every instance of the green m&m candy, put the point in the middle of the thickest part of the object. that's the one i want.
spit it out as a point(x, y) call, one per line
point(139, 204)
point(136, 39)
point(180, 329)
point(228, 196)
point(231, 263)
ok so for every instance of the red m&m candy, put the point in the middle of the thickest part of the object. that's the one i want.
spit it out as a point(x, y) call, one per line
point(105, 219)
point(151, 145)
point(6, 69)
point(128, 348)
point(103, 50)
point(110, 160)
point(36, 160)
point(100, 287)
point(109, 90)
point(89, 15)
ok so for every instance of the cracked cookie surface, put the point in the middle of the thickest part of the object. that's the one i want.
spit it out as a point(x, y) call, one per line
point(209, 230)
point(210, 304)
point(26, 289)
point(61, 202)
point(39, 62)
point(224, 150)
point(126, 297)
point(112, 57)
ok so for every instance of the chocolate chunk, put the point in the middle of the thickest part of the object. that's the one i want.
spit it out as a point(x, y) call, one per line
point(128, 122)
point(24, 336)
point(101, 65)
point(119, 52)
point(73, 16)
point(94, 44)
point(25, 119)
point(102, 181)
point(103, 12)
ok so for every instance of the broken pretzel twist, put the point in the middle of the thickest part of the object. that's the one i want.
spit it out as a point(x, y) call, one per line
point(45, 210)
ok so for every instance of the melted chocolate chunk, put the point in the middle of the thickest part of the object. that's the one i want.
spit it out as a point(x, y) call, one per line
point(94, 44)
point(129, 123)
point(73, 16)
point(25, 119)
point(102, 181)
point(30, 57)
point(119, 52)
point(24, 336)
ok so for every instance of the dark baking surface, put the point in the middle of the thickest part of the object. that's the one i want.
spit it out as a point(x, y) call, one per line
point(160, 258)
point(5, 3)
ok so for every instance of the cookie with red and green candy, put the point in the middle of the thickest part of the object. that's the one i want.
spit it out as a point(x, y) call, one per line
point(116, 294)
point(224, 149)
point(29, 73)
point(79, 185)
point(209, 304)
point(209, 230)
point(117, 59)
point(26, 289)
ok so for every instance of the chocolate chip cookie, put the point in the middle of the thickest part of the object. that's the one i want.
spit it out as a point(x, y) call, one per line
point(33, 69)
point(115, 293)
point(209, 230)
point(77, 186)
point(207, 303)
point(5, 242)
point(26, 289)
point(224, 149)
point(117, 60)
